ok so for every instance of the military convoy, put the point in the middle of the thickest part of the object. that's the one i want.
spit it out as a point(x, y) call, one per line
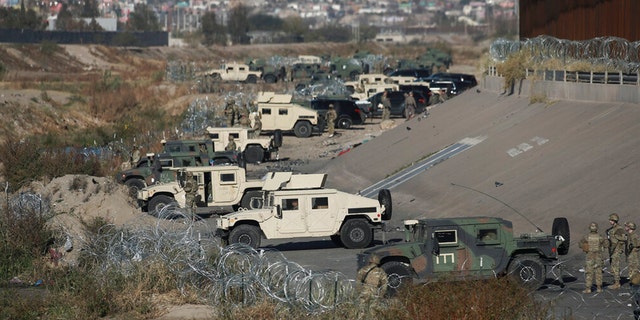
point(464, 248)
point(255, 149)
point(302, 207)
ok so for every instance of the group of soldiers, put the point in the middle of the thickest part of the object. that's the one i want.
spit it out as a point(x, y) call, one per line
point(240, 115)
point(618, 241)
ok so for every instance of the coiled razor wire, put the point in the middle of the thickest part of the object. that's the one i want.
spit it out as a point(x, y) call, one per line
point(613, 52)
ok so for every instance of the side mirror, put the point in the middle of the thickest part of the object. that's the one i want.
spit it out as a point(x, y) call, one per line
point(278, 211)
point(435, 249)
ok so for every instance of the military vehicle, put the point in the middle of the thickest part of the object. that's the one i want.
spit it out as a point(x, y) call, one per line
point(254, 149)
point(233, 72)
point(175, 153)
point(221, 189)
point(270, 73)
point(463, 248)
point(304, 208)
point(280, 113)
point(346, 69)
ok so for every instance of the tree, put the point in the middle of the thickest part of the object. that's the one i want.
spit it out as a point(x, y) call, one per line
point(238, 24)
point(212, 31)
point(143, 19)
point(90, 9)
point(295, 27)
point(265, 22)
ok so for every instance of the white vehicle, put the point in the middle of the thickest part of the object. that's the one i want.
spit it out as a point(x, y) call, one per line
point(308, 210)
point(279, 113)
point(255, 148)
point(233, 72)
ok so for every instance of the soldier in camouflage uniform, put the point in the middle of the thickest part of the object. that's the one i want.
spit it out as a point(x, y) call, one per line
point(386, 106)
point(331, 120)
point(243, 116)
point(190, 188)
point(372, 280)
point(593, 245)
point(633, 250)
point(617, 242)
point(229, 112)
point(231, 146)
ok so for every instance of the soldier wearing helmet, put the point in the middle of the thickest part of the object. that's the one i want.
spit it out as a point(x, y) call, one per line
point(231, 146)
point(190, 189)
point(230, 112)
point(593, 245)
point(372, 280)
point(632, 250)
point(617, 239)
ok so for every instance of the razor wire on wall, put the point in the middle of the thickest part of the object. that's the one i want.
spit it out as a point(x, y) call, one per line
point(615, 53)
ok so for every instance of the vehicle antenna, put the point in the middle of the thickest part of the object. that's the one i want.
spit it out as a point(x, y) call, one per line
point(504, 203)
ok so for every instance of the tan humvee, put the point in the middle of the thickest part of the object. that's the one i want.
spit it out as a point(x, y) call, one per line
point(368, 85)
point(279, 113)
point(255, 148)
point(308, 210)
point(233, 72)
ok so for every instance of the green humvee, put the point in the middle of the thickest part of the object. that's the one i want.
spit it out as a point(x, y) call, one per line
point(462, 248)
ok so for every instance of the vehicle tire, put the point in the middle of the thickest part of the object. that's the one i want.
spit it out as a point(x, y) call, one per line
point(157, 203)
point(216, 77)
point(277, 138)
point(252, 200)
point(336, 240)
point(270, 78)
point(353, 76)
point(384, 198)
point(246, 234)
point(254, 154)
point(134, 186)
point(560, 227)
point(302, 129)
point(356, 234)
point(399, 275)
point(252, 79)
point(344, 123)
point(527, 271)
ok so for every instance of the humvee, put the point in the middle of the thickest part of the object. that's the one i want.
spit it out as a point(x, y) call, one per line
point(304, 208)
point(279, 113)
point(254, 149)
point(221, 189)
point(461, 248)
point(233, 72)
point(175, 153)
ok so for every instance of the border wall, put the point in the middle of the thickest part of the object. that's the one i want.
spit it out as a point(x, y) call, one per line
point(108, 38)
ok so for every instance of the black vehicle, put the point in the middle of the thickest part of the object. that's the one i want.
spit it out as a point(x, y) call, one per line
point(419, 74)
point(397, 102)
point(348, 112)
point(461, 81)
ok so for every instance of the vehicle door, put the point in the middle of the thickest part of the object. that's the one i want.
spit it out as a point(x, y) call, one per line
point(225, 186)
point(293, 220)
point(321, 216)
point(454, 255)
point(489, 251)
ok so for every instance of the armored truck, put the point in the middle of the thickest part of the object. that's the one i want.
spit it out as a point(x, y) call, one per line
point(233, 72)
point(280, 113)
point(175, 153)
point(254, 148)
point(463, 248)
point(304, 208)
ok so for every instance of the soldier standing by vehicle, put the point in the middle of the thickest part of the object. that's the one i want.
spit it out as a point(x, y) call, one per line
point(617, 242)
point(190, 189)
point(386, 106)
point(243, 116)
point(229, 112)
point(410, 105)
point(331, 120)
point(593, 245)
point(257, 124)
point(372, 280)
point(633, 250)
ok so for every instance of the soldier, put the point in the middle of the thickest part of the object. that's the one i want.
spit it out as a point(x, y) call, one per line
point(593, 245)
point(617, 239)
point(229, 112)
point(135, 157)
point(331, 120)
point(231, 146)
point(410, 105)
point(257, 124)
point(371, 279)
point(190, 189)
point(243, 115)
point(386, 106)
point(633, 250)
